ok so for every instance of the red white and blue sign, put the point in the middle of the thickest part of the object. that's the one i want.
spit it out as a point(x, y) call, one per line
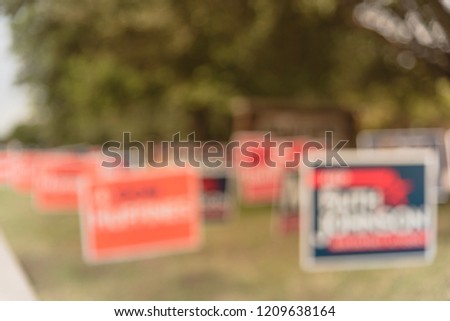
point(378, 211)
point(216, 203)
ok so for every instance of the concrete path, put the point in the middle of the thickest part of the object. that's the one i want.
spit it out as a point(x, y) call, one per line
point(13, 281)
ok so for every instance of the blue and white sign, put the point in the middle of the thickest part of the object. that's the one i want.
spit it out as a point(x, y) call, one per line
point(378, 211)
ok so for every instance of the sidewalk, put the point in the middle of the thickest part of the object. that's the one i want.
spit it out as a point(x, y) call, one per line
point(13, 282)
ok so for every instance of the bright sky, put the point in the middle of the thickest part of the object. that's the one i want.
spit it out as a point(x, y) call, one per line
point(14, 106)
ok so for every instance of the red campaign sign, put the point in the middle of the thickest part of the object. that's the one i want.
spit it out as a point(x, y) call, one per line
point(21, 170)
point(140, 213)
point(258, 185)
point(55, 181)
point(259, 181)
point(4, 168)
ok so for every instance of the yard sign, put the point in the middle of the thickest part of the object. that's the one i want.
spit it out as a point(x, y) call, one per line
point(380, 210)
point(140, 213)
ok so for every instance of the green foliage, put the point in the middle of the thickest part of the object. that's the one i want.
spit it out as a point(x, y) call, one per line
point(158, 67)
point(30, 134)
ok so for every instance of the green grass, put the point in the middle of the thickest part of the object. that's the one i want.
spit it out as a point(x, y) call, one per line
point(240, 260)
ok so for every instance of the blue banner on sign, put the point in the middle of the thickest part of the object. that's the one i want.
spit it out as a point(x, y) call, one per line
point(370, 224)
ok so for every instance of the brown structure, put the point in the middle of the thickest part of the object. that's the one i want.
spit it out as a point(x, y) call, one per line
point(291, 118)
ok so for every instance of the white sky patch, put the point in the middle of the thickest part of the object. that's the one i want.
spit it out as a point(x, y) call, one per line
point(14, 100)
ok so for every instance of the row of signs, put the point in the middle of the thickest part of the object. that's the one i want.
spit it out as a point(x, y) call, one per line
point(124, 213)
point(379, 209)
point(265, 185)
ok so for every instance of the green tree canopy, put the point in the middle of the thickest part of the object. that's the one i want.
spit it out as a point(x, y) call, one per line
point(98, 68)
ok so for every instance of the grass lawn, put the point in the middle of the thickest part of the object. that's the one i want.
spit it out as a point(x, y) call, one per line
point(240, 260)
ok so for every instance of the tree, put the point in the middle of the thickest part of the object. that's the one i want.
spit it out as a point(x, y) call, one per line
point(158, 67)
point(420, 28)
